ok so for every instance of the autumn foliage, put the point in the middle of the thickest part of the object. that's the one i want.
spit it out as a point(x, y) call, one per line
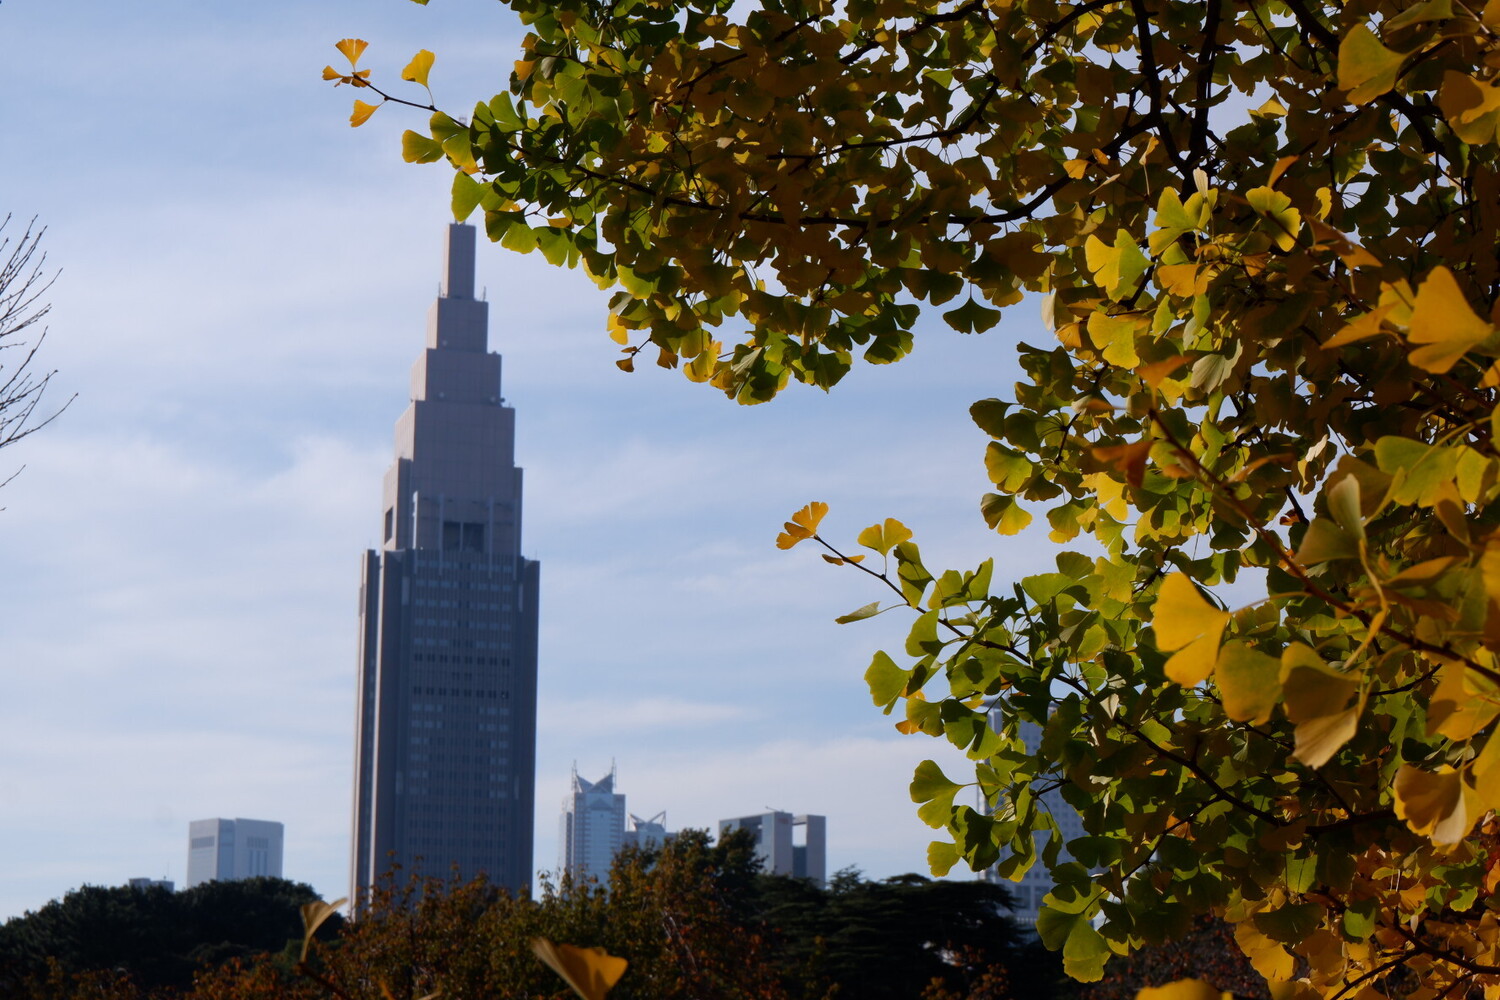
point(1261, 425)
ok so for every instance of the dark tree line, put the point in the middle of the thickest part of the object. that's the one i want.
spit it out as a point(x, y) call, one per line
point(158, 938)
point(696, 919)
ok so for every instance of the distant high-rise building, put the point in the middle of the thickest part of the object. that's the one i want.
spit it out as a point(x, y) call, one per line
point(592, 828)
point(144, 884)
point(1037, 882)
point(445, 744)
point(225, 849)
point(777, 835)
point(646, 833)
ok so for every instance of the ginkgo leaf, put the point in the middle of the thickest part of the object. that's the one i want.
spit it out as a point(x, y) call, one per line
point(1316, 699)
point(1182, 989)
point(884, 537)
point(1249, 682)
point(352, 48)
point(1115, 337)
point(1472, 107)
point(418, 148)
point(416, 70)
point(1324, 541)
point(329, 73)
point(1367, 68)
point(1318, 739)
point(1456, 711)
point(1127, 459)
point(1266, 955)
point(1283, 222)
point(1116, 267)
point(1184, 621)
point(1312, 689)
point(803, 525)
point(1004, 513)
point(1360, 328)
point(592, 972)
point(1344, 504)
point(1181, 615)
point(1432, 803)
point(362, 113)
point(1485, 772)
point(314, 915)
point(1156, 372)
point(1443, 322)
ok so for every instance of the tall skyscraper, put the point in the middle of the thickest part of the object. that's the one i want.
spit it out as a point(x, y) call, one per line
point(776, 842)
point(592, 828)
point(445, 742)
point(226, 849)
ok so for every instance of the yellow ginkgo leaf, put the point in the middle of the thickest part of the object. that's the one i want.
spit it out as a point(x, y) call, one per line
point(362, 113)
point(1485, 772)
point(329, 73)
point(1182, 615)
point(1472, 107)
point(1316, 698)
point(1443, 322)
point(1182, 989)
point(1184, 621)
point(1367, 68)
point(1283, 222)
point(1362, 326)
point(592, 972)
point(1114, 336)
point(352, 48)
point(1268, 957)
point(1432, 803)
point(884, 537)
point(802, 526)
point(1319, 738)
point(416, 70)
point(1454, 710)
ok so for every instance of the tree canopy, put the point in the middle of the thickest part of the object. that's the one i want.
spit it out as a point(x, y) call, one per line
point(1261, 428)
point(697, 920)
point(154, 937)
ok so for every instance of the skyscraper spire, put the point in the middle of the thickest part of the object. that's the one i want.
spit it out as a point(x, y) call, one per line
point(458, 262)
point(446, 731)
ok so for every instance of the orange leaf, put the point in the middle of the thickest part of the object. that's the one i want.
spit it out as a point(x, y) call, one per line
point(1127, 458)
point(362, 113)
point(592, 972)
point(803, 525)
point(352, 48)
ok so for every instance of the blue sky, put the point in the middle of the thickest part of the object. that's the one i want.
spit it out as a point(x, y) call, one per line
point(244, 281)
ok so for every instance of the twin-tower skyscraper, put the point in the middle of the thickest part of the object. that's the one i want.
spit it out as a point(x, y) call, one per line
point(445, 741)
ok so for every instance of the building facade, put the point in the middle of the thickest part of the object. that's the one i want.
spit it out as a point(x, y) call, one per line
point(445, 742)
point(224, 849)
point(787, 844)
point(646, 834)
point(592, 828)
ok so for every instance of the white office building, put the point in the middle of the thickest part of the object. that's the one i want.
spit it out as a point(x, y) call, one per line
point(786, 844)
point(227, 849)
point(593, 827)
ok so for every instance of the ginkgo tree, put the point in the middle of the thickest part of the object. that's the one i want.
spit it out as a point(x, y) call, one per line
point(1263, 238)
